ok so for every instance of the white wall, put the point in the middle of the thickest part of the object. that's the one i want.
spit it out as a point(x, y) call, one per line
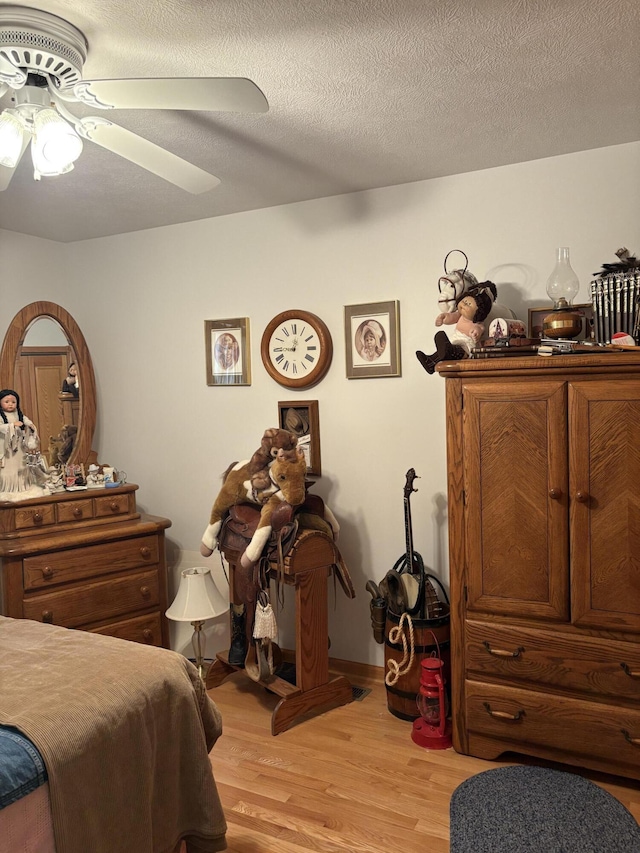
point(141, 300)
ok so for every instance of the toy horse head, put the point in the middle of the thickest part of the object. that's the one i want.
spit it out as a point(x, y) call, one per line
point(288, 473)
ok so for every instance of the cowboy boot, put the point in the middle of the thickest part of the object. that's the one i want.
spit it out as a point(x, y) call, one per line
point(446, 350)
point(427, 361)
point(238, 647)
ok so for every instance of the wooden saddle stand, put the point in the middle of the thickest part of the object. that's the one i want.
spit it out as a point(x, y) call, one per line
point(302, 554)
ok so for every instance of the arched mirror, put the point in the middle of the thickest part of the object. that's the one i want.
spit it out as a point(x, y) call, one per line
point(39, 346)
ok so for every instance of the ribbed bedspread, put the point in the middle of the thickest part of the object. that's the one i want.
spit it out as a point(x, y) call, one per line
point(124, 730)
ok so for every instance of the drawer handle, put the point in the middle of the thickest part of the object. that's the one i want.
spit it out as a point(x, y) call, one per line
point(145, 552)
point(555, 494)
point(582, 497)
point(37, 517)
point(632, 673)
point(503, 653)
point(145, 592)
point(503, 715)
point(148, 634)
point(47, 572)
point(77, 512)
point(634, 741)
point(47, 616)
point(114, 506)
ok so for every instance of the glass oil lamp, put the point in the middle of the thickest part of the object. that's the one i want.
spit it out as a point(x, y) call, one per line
point(562, 288)
point(432, 729)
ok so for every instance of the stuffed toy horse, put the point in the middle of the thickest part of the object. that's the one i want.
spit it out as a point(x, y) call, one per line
point(287, 473)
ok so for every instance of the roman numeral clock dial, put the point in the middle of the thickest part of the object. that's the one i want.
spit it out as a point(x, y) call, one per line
point(296, 349)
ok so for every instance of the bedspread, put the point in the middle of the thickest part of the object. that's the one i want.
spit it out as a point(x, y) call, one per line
point(124, 730)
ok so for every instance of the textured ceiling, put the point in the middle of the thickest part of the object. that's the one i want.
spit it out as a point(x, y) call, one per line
point(362, 94)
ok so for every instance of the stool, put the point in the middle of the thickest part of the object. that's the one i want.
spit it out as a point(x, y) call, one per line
point(533, 809)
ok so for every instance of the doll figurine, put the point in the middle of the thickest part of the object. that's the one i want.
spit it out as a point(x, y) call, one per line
point(472, 308)
point(21, 475)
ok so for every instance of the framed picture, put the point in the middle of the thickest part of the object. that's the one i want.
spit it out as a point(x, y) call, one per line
point(372, 339)
point(227, 351)
point(537, 315)
point(301, 417)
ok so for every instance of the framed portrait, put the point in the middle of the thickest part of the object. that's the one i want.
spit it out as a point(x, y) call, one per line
point(372, 340)
point(537, 315)
point(227, 351)
point(301, 417)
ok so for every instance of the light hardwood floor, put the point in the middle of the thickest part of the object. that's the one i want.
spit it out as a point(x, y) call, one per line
point(350, 779)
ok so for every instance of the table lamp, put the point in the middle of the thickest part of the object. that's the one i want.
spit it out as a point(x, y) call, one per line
point(197, 600)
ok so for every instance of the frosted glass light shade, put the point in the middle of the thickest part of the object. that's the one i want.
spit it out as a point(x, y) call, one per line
point(56, 145)
point(198, 597)
point(10, 140)
point(563, 283)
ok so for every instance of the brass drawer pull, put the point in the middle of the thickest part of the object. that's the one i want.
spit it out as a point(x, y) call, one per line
point(503, 653)
point(145, 552)
point(634, 741)
point(632, 673)
point(47, 572)
point(503, 715)
point(145, 592)
point(148, 635)
point(47, 616)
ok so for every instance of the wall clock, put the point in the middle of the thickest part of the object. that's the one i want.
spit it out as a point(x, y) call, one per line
point(296, 349)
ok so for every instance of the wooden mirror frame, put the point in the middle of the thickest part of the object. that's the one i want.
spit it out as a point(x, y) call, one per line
point(14, 339)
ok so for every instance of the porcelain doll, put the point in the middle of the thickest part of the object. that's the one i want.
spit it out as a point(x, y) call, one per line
point(21, 475)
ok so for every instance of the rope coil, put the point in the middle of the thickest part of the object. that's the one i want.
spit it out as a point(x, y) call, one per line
point(397, 634)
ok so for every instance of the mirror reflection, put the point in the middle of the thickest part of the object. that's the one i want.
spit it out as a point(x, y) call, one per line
point(47, 381)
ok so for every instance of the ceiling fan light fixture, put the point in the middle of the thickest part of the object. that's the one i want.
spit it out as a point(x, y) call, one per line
point(55, 145)
point(10, 140)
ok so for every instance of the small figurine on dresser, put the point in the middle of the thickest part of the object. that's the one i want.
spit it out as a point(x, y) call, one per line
point(21, 474)
point(95, 479)
point(472, 308)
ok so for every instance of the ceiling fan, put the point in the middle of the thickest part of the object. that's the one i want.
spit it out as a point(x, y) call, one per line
point(41, 60)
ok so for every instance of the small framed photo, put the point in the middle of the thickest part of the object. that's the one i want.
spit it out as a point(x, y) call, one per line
point(372, 339)
point(227, 351)
point(301, 417)
point(537, 315)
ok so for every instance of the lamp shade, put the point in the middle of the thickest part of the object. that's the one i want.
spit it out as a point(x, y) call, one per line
point(55, 145)
point(198, 597)
point(10, 140)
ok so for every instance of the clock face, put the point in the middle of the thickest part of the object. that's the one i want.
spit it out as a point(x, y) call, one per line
point(296, 349)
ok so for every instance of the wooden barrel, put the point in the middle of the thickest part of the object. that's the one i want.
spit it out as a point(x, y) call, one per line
point(401, 696)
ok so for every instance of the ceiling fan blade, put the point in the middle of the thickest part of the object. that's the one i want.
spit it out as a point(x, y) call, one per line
point(5, 172)
point(232, 94)
point(146, 154)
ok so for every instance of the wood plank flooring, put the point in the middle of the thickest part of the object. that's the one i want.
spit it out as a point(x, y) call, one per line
point(350, 779)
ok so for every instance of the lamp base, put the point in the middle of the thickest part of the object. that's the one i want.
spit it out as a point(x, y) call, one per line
point(430, 737)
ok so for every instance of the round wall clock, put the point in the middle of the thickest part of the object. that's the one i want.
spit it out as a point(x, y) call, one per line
point(296, 349)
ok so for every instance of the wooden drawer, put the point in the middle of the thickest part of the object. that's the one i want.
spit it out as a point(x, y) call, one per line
point(83, 604)
point(33, 517)
point(579, 663)
point(111, 505)
point(46, 570)
point(75, 511)
point(140, 629)
point(585, 730)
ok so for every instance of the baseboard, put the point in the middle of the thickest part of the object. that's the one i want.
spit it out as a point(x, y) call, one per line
point(360, 673)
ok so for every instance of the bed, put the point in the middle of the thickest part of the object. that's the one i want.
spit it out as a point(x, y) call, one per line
point(104, 746)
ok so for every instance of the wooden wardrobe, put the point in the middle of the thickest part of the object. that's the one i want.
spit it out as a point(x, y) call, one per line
point(543, 462)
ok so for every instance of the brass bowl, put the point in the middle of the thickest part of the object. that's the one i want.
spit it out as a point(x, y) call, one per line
point(562, 323)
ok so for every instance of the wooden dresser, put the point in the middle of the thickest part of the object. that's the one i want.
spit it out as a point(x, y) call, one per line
point(86, 560)
point(544, 537)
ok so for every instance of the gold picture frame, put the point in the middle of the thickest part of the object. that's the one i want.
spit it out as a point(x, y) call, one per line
point(537, 315)
point(227, 351)
point(372, 340)
point(302, 418)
